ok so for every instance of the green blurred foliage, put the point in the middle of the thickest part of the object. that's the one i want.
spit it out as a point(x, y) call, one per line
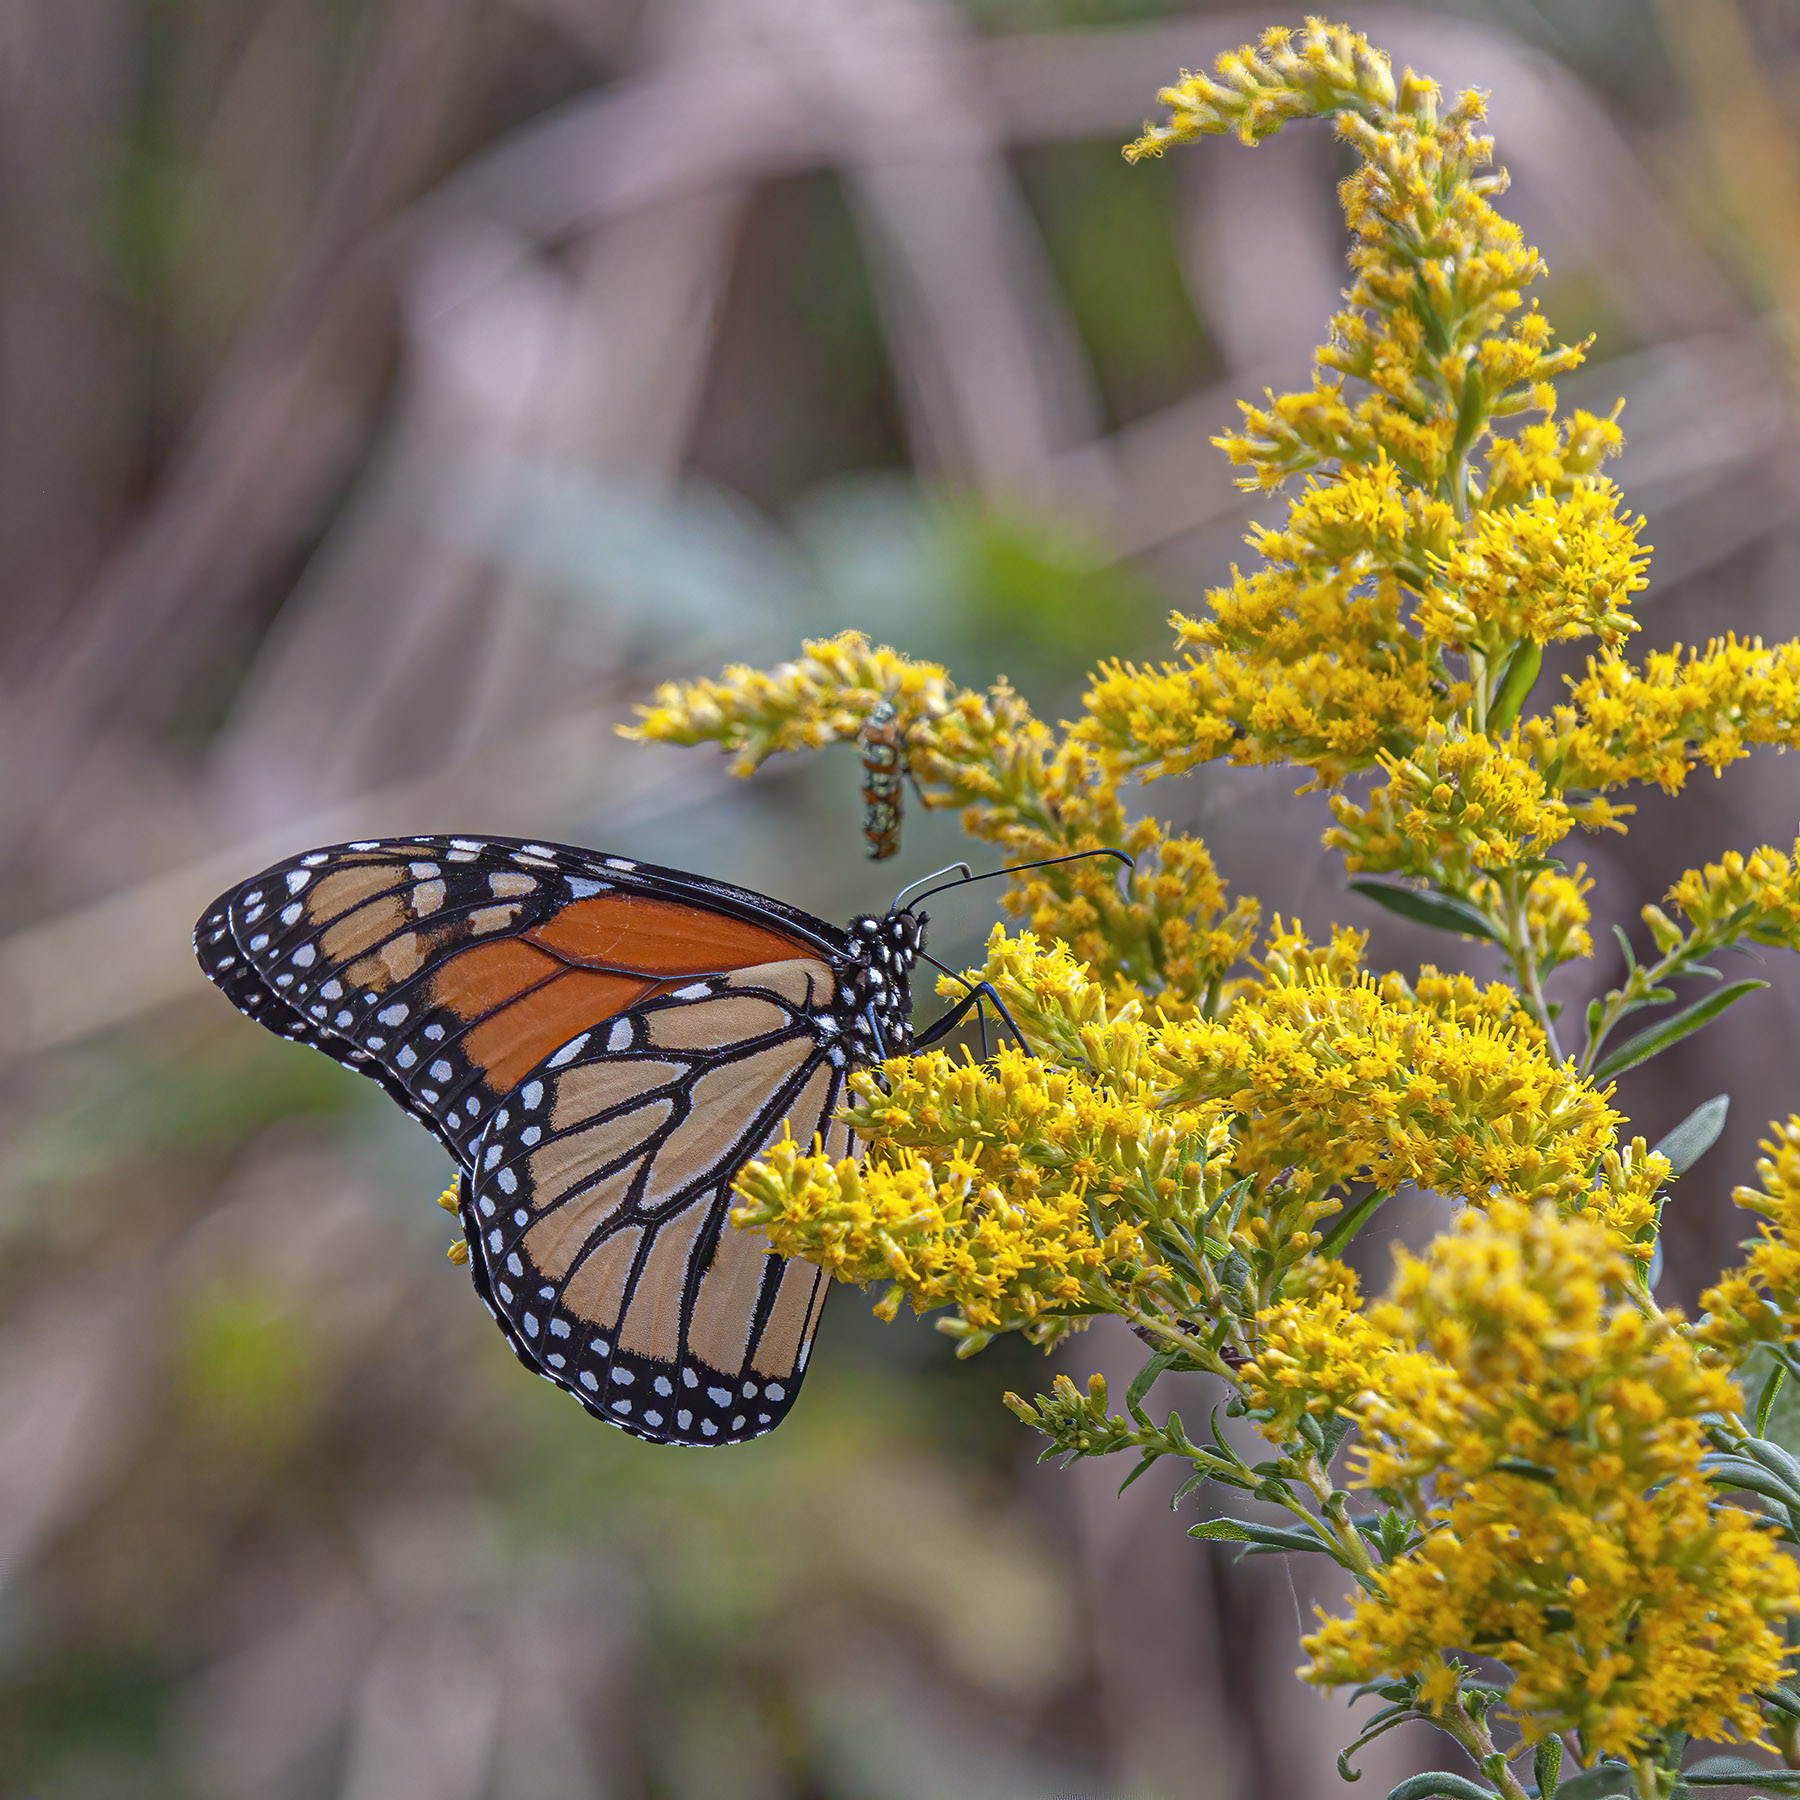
point(1110, 231)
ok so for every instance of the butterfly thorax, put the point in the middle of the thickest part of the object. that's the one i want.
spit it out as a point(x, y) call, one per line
point(878, 983)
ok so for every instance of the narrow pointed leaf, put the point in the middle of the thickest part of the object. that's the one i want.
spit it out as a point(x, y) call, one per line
point(1423, 906)
point(1695, 1135)
point(1739, 1771)
point(1147, 1462)
point(1766, 1399)
point(1259, 1537)
point(1671, 1031)
point(1441, 1785)
point(1598, 1784)
point(1145, 1379)
point(1521, 673)
point(1739, 1472)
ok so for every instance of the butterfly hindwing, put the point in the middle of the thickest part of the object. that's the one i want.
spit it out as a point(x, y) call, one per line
point(596, 1212)
point(448, 968)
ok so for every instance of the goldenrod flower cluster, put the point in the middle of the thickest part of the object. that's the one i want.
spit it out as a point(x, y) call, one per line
point(1003, 1256)
point(1755, 897)
point(1462, 802)
point(1759, 1302)
point(1548, 1436)
point(1656, 722)
point(1206, 1107)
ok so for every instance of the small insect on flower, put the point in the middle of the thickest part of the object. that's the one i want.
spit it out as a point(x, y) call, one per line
point(883, 742)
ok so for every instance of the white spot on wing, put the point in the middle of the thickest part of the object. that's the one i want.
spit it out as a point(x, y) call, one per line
point(569, 1051)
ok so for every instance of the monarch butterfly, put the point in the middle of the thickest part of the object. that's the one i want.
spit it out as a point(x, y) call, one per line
point(601, 1044)
point(883, 741)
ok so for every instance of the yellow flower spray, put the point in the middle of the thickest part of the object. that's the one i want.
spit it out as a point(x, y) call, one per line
point(1575, 1542)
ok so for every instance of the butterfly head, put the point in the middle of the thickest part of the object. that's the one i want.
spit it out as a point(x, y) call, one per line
point(885, 946)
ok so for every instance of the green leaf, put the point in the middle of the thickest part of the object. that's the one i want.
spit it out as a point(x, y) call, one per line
point(1521, 673)
point(1625, 945)
point(1547, 1765)
point(1384, 1721)
point(1260, 1538)
point(1337, 1428)
point(1440, 1785)
point(1781, 1699)
point(1145, 1379)
point(1739, 1472)
point(1425, 906)
point(1766, 1399)
point(1599, 1783)
point(1776, 1460)
point(1148, 1460)
point(1738, 1771)
point(1695, 1135)
point(1351, 1221)
point(1671, 1031)
point(1530, 1471)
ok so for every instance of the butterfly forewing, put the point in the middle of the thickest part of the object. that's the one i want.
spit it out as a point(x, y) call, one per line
point(597, 1213)
point(448, 968)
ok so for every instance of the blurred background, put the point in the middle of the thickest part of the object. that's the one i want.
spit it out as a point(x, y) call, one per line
point(392, 391)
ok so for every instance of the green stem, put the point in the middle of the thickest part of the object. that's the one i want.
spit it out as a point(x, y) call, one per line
point(1639, 982)
point(1474, 1736)
point(1175, 1338)
point(1516, 925)
point(1356, 1555)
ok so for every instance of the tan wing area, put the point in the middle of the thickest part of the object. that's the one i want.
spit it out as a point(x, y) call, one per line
point(600, 1206)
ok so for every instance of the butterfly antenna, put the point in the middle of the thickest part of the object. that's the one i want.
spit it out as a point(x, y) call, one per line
point(1049, 862)
point(968, 874)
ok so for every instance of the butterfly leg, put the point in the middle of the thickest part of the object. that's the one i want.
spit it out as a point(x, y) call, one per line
point(941, 1028)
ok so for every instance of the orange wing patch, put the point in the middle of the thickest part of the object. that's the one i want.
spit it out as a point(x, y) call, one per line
point(657, 937)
